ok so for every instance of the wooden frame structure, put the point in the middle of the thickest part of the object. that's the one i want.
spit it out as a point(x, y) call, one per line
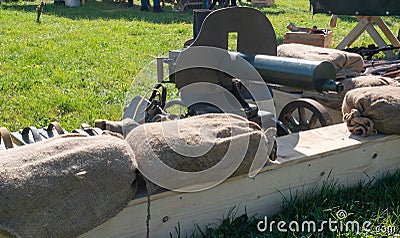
point(305, 160)
point(365, 24)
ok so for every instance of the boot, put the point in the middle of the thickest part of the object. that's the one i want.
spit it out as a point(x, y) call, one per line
point(157, 9)
point(144, 8)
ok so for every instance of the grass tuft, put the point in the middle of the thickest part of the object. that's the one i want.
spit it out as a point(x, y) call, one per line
point(374, 202)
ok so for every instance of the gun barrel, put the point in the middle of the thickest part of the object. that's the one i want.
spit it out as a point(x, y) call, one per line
point(296, 73)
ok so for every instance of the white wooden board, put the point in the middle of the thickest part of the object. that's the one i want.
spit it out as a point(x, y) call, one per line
point(305, 161)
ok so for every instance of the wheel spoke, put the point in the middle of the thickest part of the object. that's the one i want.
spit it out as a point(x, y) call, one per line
point(292, 120)
point(293, 124)
point(313, 121)
point(302, 116)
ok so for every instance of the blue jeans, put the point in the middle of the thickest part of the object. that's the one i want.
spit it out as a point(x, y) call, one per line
point(155, 3)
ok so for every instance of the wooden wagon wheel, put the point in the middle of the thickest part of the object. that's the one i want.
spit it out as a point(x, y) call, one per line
point(304, 114)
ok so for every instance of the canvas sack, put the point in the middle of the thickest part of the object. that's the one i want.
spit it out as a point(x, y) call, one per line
point(64, 186)
point(373, 109)
point(196, 144)
point(346, 64)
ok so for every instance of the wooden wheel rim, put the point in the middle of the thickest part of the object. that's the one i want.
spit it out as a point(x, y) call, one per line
point(319, 114)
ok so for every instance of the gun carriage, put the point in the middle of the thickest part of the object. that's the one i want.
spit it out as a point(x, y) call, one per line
point(290, 84)
point(259, 80)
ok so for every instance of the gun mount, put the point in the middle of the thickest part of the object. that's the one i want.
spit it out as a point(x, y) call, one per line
point(247, 74)
point(257, 48)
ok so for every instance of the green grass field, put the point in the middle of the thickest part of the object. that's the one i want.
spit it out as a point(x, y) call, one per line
point(81, 64)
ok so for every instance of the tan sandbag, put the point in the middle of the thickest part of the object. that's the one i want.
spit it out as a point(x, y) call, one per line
point(367, 81)
point(346, 64)
point(64, 186)
point(196, 144)
point(335, 101)
point(374, 109)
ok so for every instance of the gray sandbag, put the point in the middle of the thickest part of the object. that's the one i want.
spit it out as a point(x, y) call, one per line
point(367, 81)
point(373, 109)
point(346, 64)
point(196, 146)
point(64, 186)
point(335, 101)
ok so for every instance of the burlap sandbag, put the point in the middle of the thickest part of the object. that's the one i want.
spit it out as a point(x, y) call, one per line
point(64, 186)
point(370, 110)
point(335, 101)
point(367, 81)
point(180, 144)
point(346, 64)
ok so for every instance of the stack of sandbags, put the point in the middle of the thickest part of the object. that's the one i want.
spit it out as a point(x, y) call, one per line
point(346, 64)
point(199, 152)
point(374, 109)
point(64, 186)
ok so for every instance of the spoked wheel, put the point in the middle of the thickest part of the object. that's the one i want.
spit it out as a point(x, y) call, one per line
point(304, 114)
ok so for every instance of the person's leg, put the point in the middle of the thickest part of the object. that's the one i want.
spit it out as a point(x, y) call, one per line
point(214, 2)
point(156, 6)
point(144, 6)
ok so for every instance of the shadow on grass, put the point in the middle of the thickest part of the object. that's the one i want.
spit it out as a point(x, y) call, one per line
point(352, 19)
point(94, 10)
point(266, 10)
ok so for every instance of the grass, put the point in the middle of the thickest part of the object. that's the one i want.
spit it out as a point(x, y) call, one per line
point(375, 201)
point(78, 64)
point(81, 64)
point(86, 63)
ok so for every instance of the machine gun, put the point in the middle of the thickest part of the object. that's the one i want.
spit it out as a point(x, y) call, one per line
point(370, 51)
point(386, 68)
point(206, 73)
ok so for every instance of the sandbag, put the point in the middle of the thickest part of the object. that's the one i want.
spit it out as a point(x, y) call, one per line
point(367, 81)
point(335, 101)
point(373, 109)
point(64, 186)
point(195, 145)
point(346, 64)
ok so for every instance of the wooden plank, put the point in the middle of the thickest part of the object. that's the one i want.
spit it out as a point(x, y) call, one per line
point(301, 165)
point(385, 29)
point(378, 40)
point(353, 34)
point(365, 23)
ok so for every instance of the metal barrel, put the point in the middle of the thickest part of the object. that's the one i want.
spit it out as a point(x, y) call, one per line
point(296, 73)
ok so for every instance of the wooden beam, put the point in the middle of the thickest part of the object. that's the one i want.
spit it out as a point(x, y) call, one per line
point(354, 34)
point(379, 40)
point(365, 23)
point(388, 33)
point(306, 160)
